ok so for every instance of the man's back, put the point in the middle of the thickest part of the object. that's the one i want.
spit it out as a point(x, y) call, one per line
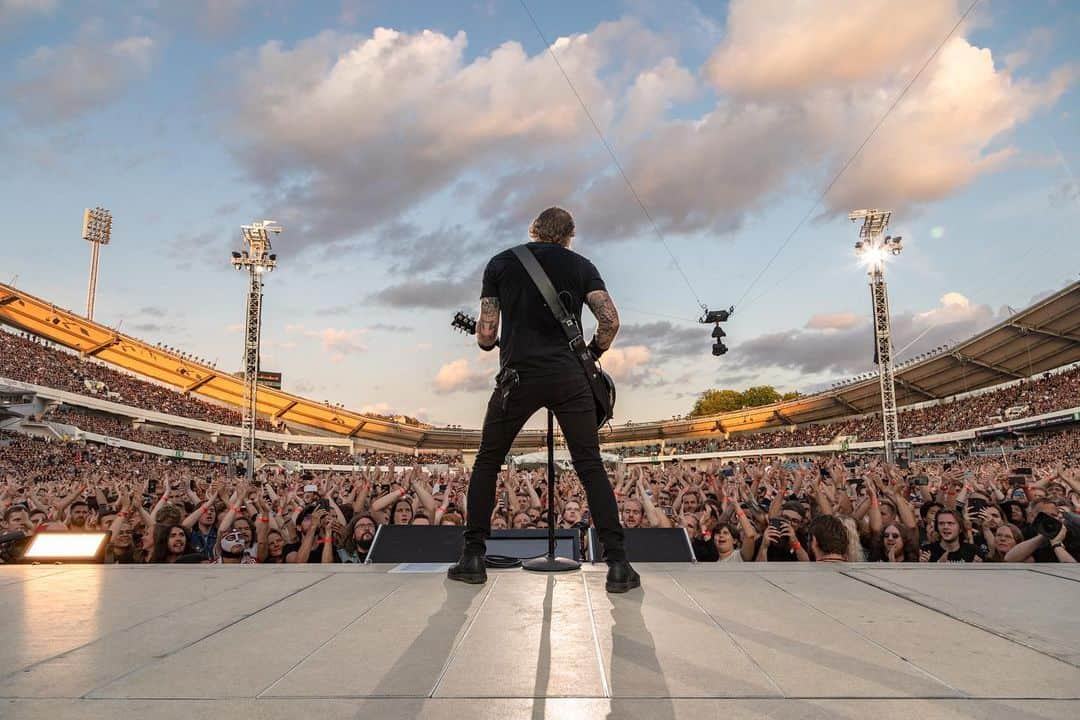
point(530, 340)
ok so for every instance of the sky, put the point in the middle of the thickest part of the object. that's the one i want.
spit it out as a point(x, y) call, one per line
point(400, 145)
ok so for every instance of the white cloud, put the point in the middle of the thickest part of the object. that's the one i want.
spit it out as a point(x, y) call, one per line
point(945, 133)
point(56, 84)
point(777, 47)
point(373, 124)
point(842, 343)
point(338, 342)
point(461, 376)
point(631, 365)
point(346, 133)
point(833, 321)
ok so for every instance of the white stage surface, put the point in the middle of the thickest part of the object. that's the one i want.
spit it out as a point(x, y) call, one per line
point(695, 642)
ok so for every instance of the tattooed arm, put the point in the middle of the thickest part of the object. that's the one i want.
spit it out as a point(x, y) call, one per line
point(607, 319)
point(487, 326)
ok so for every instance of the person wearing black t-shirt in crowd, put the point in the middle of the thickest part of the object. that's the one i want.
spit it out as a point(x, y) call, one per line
point(538, 369)
point(784, 540)
point(949, 548)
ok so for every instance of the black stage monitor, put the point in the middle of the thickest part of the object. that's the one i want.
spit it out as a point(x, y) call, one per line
point(649, 545)
point(444, 543)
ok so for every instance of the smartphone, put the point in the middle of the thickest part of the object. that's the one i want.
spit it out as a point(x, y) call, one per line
point(1017, 481)
point(968, 474)
point(857, 482)
point(323, 504)
point(776, 523)
point(728, 472)
point(1022, 471)
point(920, 480)
point(152, 486)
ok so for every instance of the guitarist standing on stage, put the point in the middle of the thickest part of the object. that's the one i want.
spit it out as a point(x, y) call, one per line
point(539, 370)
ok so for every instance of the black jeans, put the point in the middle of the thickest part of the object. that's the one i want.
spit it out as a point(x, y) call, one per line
point(570, 398)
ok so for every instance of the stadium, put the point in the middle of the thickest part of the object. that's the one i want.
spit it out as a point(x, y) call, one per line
point(817, 537)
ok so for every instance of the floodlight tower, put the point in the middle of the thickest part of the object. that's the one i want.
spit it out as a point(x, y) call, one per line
point(873, 249)
point(257, 260)
point(96, 229)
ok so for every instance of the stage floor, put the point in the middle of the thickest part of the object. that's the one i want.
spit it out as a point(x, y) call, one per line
point(695, 642)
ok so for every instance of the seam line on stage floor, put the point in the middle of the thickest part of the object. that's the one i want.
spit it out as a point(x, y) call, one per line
point(185, 646)
point(871, 641)
point(454, 650)
point(323, 644)
point(873, 582)
point(1053, 575)
point(736, 643)
point(596, 638)
point(619, 698)
point(124, 629)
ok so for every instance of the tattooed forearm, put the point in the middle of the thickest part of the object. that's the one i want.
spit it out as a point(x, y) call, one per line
point(487, 325)
point(607, 317)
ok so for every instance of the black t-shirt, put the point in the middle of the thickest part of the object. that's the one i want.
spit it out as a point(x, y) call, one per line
point(967, 552)
point(782, 552)
point(530, 340)
point(705, 550)
point(315, 556)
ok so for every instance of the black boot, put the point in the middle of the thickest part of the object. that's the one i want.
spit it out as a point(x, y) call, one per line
point(471, 568)
point(621, 577)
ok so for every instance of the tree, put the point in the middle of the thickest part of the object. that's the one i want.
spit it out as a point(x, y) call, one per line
point(760, 395)
point(793, 395)
point(711, 402)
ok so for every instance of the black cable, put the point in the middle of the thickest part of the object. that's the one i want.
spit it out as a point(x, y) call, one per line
point(611, 152)
point(858, 150)
point(504, 562)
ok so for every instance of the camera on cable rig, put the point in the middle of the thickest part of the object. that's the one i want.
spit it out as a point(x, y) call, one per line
point(716, 317)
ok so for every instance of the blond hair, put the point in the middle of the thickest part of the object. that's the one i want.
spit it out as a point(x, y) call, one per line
point(553, 225)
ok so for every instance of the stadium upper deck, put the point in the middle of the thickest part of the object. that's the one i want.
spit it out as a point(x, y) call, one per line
point(1039, 338)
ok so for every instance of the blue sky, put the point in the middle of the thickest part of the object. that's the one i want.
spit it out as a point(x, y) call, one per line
point(398, 159)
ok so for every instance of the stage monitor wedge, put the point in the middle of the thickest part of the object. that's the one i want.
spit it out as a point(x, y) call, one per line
point(443, 543)
point(648, 545)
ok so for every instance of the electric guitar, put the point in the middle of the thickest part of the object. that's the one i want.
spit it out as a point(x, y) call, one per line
point(603, 387)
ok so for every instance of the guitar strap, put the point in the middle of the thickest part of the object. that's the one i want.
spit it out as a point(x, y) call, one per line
point(540, 278)
point(570, 328)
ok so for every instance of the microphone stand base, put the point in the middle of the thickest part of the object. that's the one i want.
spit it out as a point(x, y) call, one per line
point(550, 564)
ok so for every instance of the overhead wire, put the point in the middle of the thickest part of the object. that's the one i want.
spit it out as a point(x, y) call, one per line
point(855, 155)
point(614, 157)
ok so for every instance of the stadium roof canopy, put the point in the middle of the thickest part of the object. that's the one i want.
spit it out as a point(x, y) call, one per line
point(1039, 338)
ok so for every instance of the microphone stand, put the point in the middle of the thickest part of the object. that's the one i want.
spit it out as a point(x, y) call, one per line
point(550, 563)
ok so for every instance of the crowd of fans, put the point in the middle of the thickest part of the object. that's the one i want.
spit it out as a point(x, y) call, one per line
point(1037, 396)
point(978, 503)
point(174, 439)
point(28, 359)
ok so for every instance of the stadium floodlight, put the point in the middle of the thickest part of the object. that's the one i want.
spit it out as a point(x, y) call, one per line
point(97, 230)
point(257, 259)
point(873, 249)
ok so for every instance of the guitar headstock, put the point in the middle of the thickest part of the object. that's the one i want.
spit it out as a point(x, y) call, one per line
point(464, 322)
